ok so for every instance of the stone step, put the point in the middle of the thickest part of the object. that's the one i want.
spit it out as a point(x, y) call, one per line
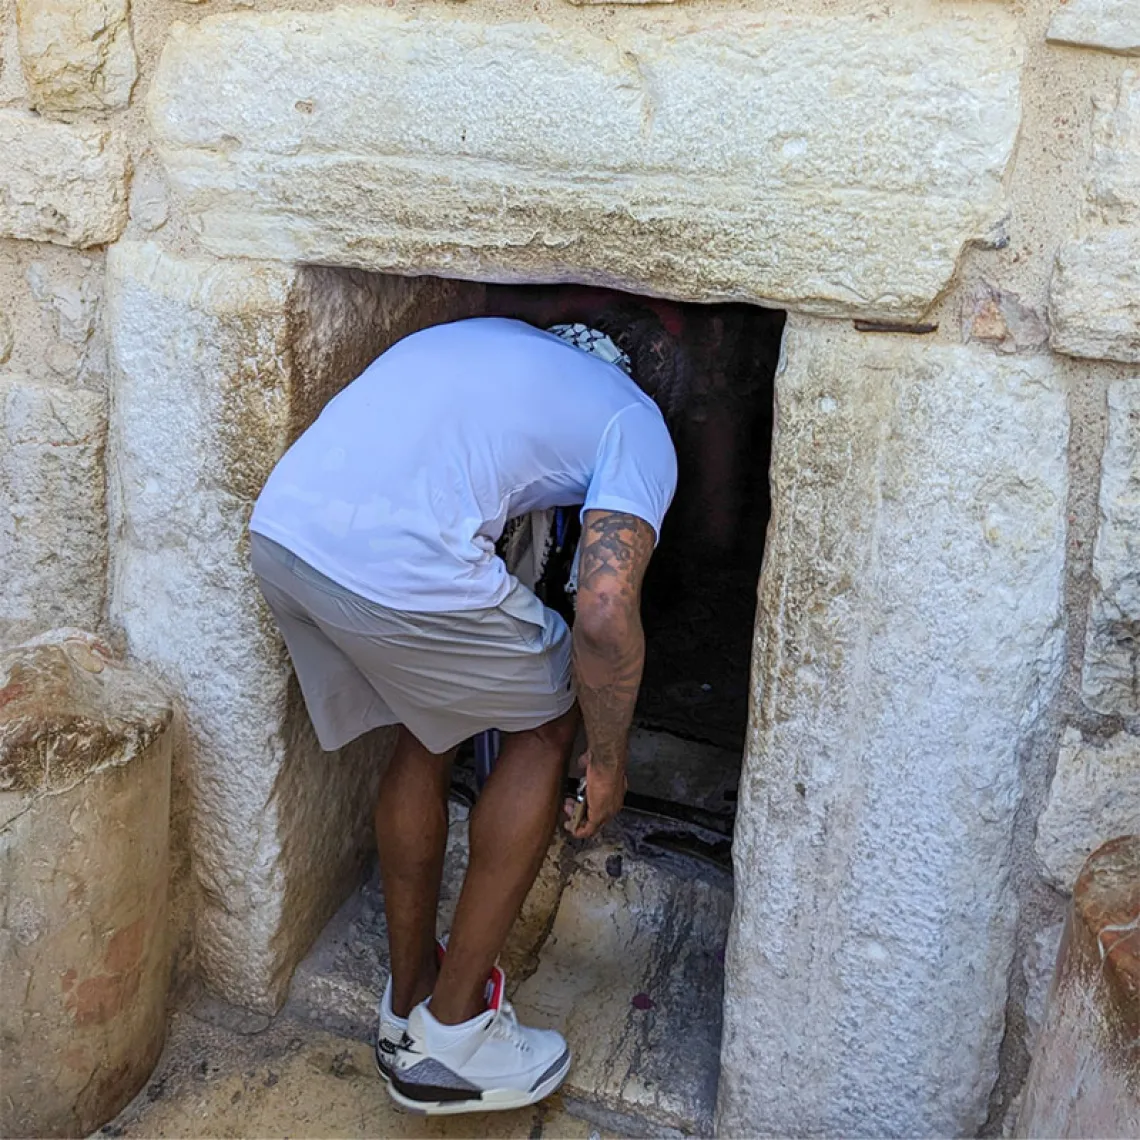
point(620, 945)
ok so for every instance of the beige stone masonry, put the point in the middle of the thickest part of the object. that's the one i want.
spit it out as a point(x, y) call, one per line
point(84, 830)
point(60, 182)
point(1094, 797)
point(1113, 25)
point(77, 55)
point(832, 163)
point(909, 633)
point(53, 525)
point(1111, 680)
point(216, 367)
point(1095, 291)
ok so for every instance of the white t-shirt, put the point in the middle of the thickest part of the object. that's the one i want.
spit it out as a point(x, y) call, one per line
point(404, 483)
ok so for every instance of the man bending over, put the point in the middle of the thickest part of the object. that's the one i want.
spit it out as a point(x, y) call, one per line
point(374, 544)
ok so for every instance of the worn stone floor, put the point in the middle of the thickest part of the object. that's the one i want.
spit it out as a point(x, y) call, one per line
point(287, 1079)
point(620, 945)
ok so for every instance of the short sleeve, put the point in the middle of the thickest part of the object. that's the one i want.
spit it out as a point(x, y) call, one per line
point(636, 467)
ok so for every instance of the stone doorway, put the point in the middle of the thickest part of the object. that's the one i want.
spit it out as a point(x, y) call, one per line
point(259, 892)
point(909, 625)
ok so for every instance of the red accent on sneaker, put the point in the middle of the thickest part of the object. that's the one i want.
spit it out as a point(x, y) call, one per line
point(496, 984)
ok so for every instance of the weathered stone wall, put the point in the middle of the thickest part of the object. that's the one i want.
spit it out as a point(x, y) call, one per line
point(950, 609)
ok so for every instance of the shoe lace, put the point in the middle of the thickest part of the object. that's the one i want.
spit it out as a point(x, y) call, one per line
point(508, 1029)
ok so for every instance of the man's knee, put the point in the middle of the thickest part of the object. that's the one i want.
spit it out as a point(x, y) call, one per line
point(557, 734)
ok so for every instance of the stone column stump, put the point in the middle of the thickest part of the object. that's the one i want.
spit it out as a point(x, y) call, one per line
point(84, 828)
point(1085, 1075)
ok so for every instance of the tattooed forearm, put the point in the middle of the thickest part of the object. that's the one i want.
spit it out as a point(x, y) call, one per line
point(609, 645)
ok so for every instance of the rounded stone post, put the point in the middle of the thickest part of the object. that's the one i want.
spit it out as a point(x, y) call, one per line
point(1085, 1075)
point(84, 821)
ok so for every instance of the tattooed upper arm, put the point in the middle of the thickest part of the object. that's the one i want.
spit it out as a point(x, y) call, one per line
point(616, 549)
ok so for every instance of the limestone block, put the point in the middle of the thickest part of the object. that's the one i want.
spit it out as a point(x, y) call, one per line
point(216, 368)
point(1111, 677)
point(1084, 1080)
point(84, 821)
point(832, 162)
point(1113, 25)
point(1094, 305)
point(53, 530)
point(60, 182)
point(1094, 296)
point(1094, 797)
point(77, 55)
point(908, 636)
point(631, 968)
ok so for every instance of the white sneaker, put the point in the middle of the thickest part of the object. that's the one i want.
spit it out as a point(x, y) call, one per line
point(392, 1028)
point(488, 1063)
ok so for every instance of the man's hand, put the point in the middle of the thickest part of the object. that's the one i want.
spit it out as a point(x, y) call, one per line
point(609, 652)
point(605, 791)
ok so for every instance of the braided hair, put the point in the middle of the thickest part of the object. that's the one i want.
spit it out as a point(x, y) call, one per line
point(659, 364)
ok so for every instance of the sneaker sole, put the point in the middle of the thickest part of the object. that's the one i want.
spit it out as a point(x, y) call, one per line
point(490, 1100)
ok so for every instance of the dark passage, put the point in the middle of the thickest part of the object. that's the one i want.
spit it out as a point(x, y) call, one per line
point(700, 593)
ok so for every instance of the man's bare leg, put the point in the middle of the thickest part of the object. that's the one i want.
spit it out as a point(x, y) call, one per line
point(511, 828)
point(411, 836)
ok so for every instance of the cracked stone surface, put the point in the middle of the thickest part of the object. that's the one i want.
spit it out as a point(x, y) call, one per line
point(1094, 294)
point(711, 138)
point(61, 182)
point(222, 1076)
point(53, 528)
point(77, 54)
point(1094, 797)
point(84, 833)
point(1110, 681)
point(910, 633)
point(1111, 25)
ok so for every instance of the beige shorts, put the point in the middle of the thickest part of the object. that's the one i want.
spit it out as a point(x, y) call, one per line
point(445, 676)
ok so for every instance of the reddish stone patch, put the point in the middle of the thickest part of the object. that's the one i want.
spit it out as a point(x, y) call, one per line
point(67, 980)
point(124, 951)
point(11, 693)
point(97, 999)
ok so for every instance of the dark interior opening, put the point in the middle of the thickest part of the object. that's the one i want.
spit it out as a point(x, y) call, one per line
point(700, 593)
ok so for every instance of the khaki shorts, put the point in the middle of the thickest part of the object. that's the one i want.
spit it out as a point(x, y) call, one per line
point(445, 676)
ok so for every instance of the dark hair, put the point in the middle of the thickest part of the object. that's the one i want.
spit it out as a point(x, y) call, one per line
point(660, 366)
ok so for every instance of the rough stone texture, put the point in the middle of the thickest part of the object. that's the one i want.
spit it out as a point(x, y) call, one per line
point(717, 164)
point(1111, 678)
point(1094, 797)
point(1094, 307)
point(84, 819)
point(1113, 25)
point(1084, 1079)
point(1038, 965)
point(648, 934)
point(994, 316)
point(60, 182)
point(908, 636)
point(53, 530)
point(77, 55)
point(6, 339)
point(293, 1079)
point(216, 368)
